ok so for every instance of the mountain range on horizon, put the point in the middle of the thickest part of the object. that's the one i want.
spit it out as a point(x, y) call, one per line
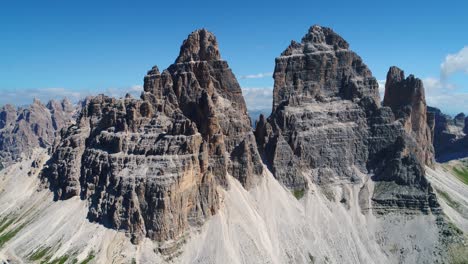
point(332, 173)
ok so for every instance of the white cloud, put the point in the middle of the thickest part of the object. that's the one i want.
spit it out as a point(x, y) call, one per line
point(134, 91)
point(445, 96)
point(451, 104)
point(21, 97)
point(432, 84)
point(455, 63)
point(381, 88)
point(257, 76)
point(258, 98)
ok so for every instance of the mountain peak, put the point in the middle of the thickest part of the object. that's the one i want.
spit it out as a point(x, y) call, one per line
point(200, 45)
point(324, 35)
point(318, 39)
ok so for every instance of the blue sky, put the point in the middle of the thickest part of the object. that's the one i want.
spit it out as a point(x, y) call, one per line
point(74, 48)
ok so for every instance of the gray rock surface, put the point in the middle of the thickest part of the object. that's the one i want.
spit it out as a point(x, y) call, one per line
point(406, 98)
point(450, 135)
point(34, 126)
point(327, 126)
point(152, 166)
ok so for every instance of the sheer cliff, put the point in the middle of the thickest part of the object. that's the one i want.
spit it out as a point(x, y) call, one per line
point(151, 166)
point(327, 127)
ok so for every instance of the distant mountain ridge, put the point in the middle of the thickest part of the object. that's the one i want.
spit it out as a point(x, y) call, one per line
point(33, 126)
point(450, 135)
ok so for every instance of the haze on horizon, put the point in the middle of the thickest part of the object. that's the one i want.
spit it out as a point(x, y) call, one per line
point(58, 49)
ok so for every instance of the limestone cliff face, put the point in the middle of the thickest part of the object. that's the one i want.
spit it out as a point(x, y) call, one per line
point(406, 97)
point(35, 126)
point(208, 93)
point(327, 127)
point(152, 166)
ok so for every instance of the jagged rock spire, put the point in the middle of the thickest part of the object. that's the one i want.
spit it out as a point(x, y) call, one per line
point(190, 130)
point(406, 98)
point(201, 45)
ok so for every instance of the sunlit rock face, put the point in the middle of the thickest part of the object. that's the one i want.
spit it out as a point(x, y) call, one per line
point(327, 127)
point(153, 166)
point(406, 97)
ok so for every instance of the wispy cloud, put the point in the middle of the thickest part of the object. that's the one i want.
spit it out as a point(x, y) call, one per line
point(432, 84)
point(455, 63)
point(258, 98)
point(451, 104)
point(381, 88)
point(257, 76)
point(134, 91)
point(440, 92)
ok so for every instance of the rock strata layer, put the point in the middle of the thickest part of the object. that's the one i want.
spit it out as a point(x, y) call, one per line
point(406, 98)
point(327, 127)
point(34, 126)
point(152, 166)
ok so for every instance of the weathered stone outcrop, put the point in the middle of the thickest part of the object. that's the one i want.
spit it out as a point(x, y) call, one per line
point(450, 135)
point(35, 126)
point(406, 98)
point(327, 127)
point(153, 166)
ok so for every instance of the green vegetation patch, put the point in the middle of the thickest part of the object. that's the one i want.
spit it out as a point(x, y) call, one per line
point(63, 259)
point(5, 224)
point(458, 254)
point(299, 193)
point(44, 255)
point(462, 174)
point(454, 228)
point(89, 258)
point(9, 235)
point(452, 203)
point(39, 254)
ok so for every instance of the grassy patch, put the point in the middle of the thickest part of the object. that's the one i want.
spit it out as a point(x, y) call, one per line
point(298, 193)
point(39, 254)
point(88, 258)
point(9, 235)
point(5, 224)
point(454, 204)
point(44, 256)
point(60, 260)
point(458, 254)
point(462, 174)
point(455, 228)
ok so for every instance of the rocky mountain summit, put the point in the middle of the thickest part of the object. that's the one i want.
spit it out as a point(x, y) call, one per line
point(35, 126)
point(450, 135)
point(180, 176)
point(327, 126)
point(151, 166)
